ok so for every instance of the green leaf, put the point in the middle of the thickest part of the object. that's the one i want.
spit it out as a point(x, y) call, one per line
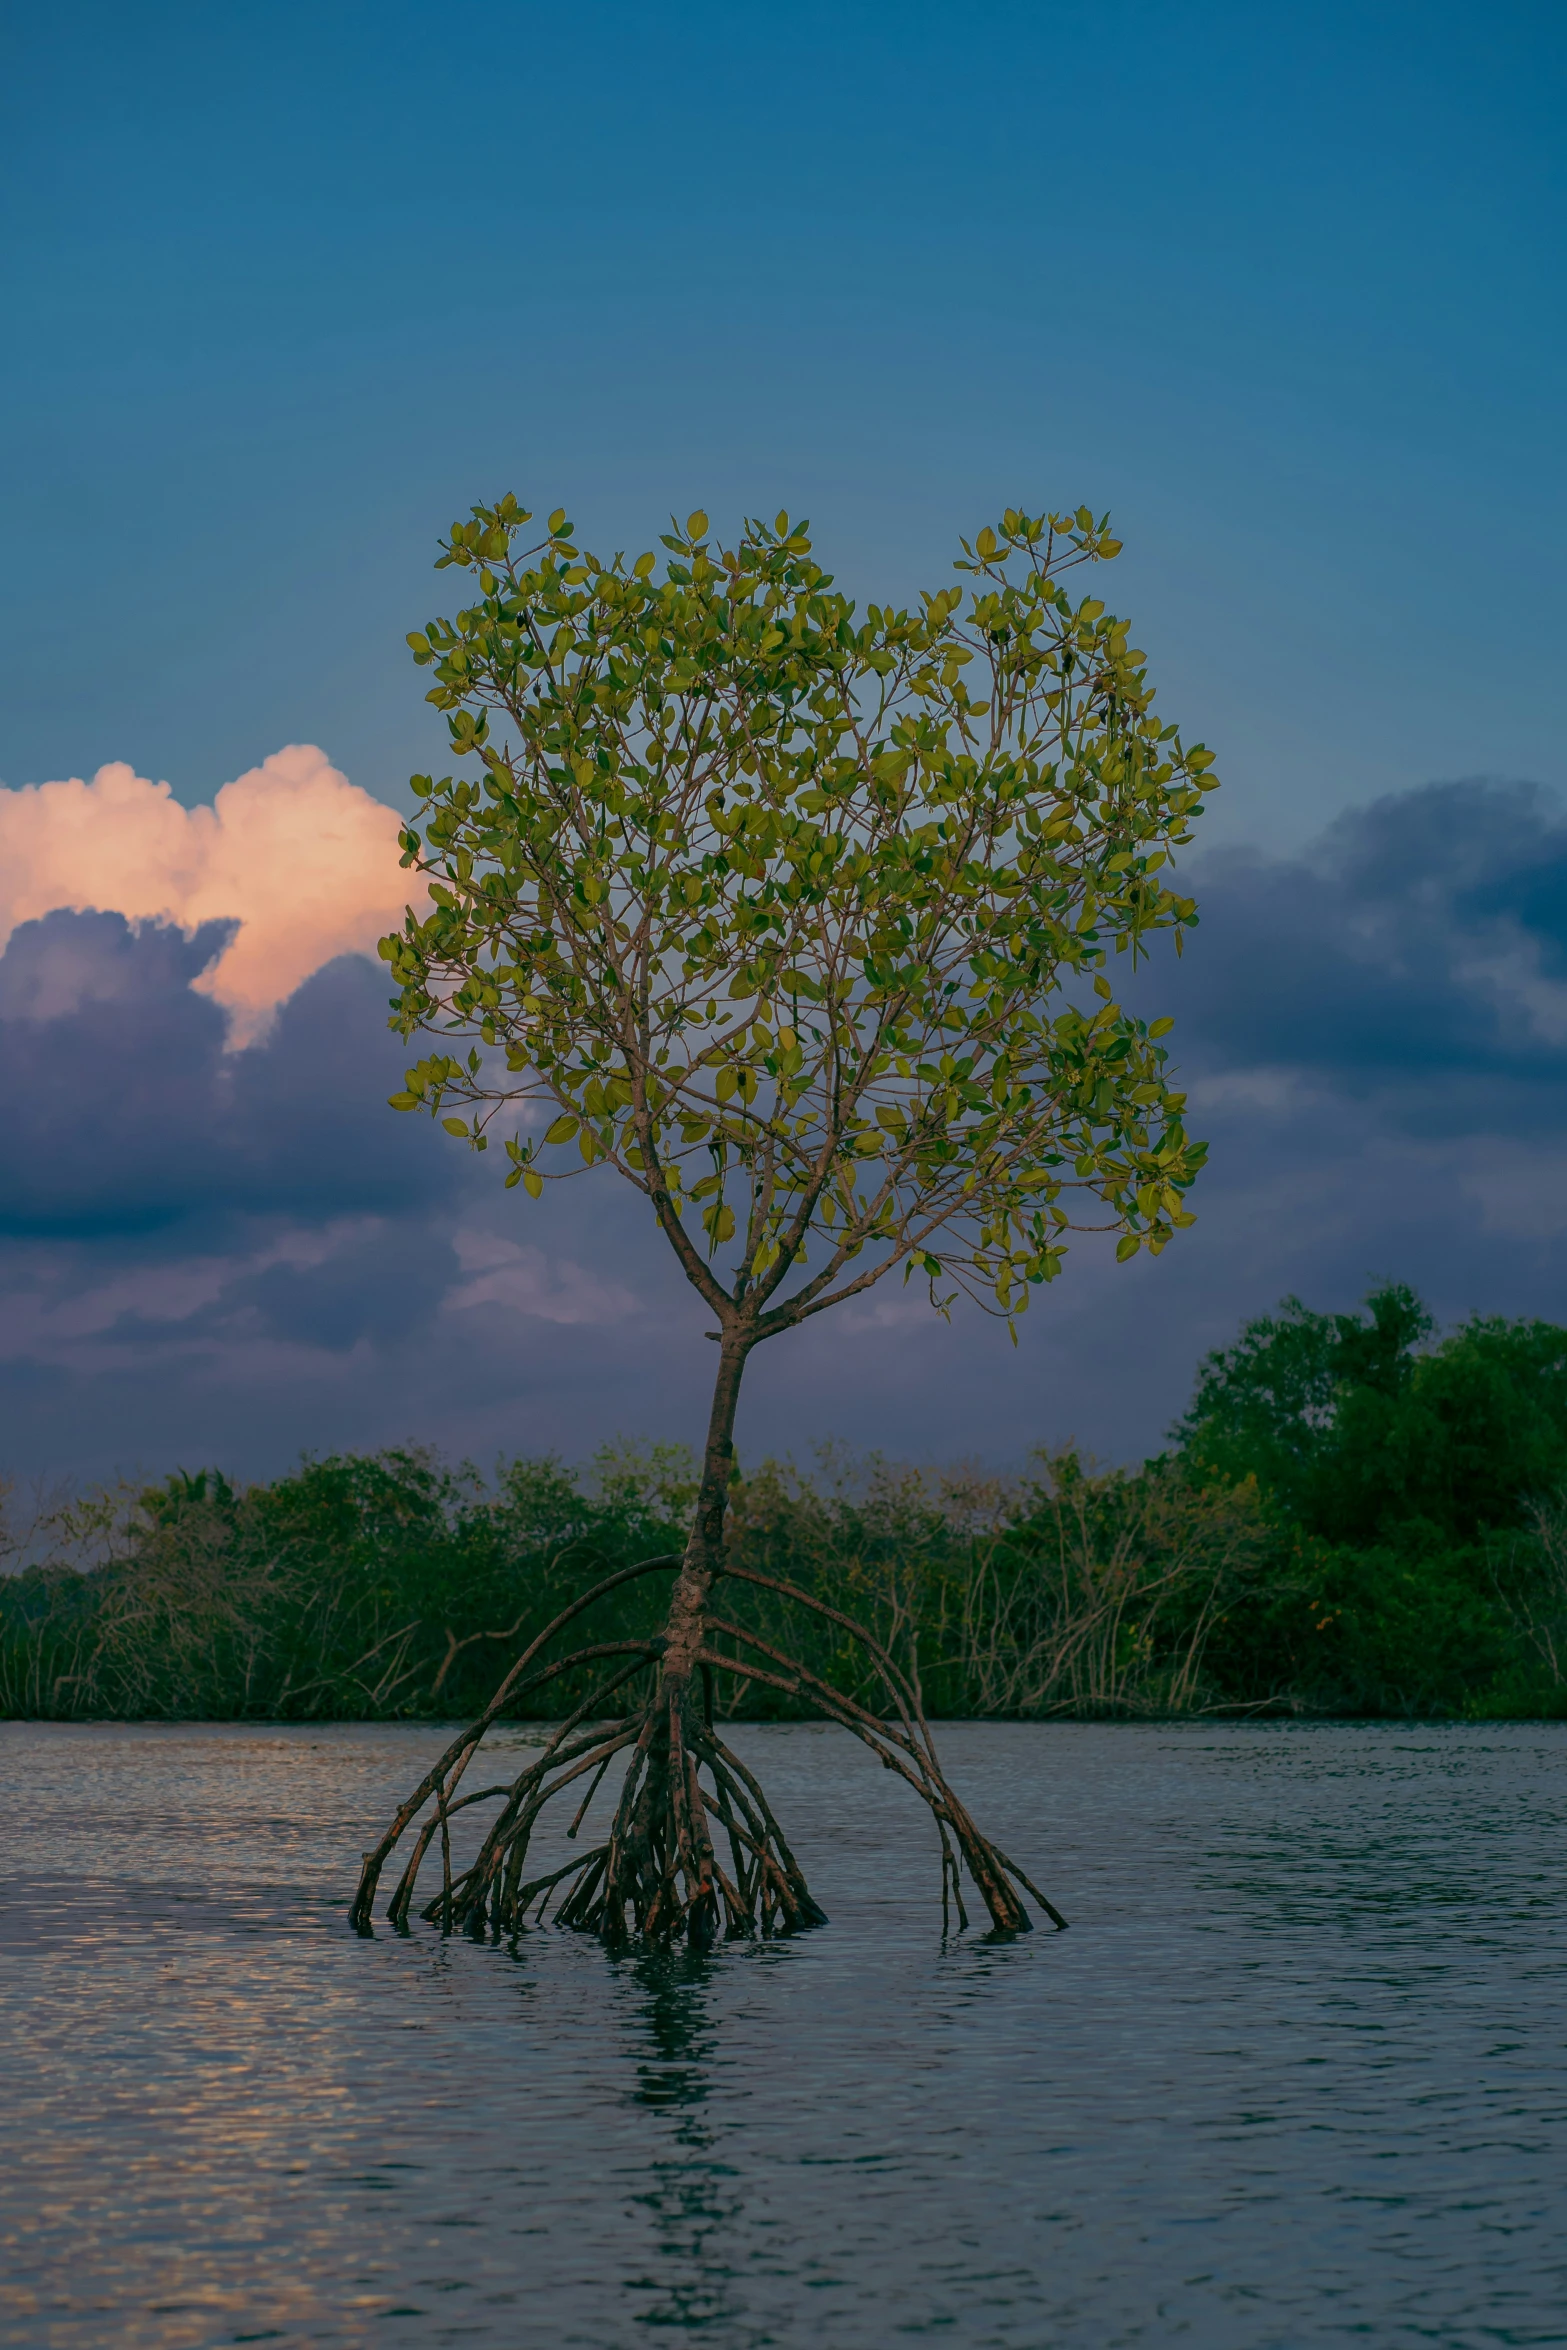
point(687, 863)
point(455, 1125)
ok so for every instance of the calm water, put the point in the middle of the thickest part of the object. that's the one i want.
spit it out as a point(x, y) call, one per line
point(1296, 2075)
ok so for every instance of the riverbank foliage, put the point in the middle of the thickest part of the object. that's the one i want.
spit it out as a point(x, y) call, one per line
point(1354, 1518)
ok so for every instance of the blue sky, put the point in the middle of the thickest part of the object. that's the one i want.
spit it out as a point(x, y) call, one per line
point(287, 289)
point(1283, 287)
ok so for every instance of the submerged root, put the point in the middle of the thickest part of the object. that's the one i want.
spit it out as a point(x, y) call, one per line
point(684, 1798)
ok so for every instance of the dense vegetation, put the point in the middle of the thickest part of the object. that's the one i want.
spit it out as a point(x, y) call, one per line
point(1353, 1518)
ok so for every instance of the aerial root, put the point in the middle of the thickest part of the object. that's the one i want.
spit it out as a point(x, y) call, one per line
point(657, 1875)
point(443, 1777)
point(684, 1794)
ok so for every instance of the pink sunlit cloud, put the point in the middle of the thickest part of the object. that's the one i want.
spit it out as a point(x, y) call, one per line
point(303, 860)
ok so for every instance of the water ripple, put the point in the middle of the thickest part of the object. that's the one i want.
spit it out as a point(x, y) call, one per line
point(1296, 2076)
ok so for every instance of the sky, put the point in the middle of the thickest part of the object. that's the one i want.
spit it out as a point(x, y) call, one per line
point(286, 290)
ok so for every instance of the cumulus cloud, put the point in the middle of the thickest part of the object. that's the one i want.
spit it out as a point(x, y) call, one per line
point(1417, 953)
point(209, 1254)
point(299, 861)
point(126, 1114)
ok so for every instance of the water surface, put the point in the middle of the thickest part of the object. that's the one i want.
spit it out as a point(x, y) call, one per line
point(1297, 2075)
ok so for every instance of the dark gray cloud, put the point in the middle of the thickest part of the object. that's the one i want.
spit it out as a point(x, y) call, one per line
point(1419, 948)
point(232, 1257)
point(125, 1114)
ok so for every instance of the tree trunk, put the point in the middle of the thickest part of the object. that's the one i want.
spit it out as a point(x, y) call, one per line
point(686, 1624)
point(658, 1863)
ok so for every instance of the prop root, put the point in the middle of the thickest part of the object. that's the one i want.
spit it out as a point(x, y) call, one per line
point(684, 1796)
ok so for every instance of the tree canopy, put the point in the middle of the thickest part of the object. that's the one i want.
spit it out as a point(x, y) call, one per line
point(1365, 1430)
point(800, 918)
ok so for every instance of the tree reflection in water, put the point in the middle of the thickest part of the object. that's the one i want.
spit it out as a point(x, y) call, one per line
point(694, 2204)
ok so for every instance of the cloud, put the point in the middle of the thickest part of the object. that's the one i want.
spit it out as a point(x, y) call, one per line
point(210, 1254)
point(504, 1273)
point(125, 1113)
point(1417, 953)
point(179, 1290)
point(301, 863)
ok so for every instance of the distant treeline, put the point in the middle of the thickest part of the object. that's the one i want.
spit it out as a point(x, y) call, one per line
point(1353, 1519)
